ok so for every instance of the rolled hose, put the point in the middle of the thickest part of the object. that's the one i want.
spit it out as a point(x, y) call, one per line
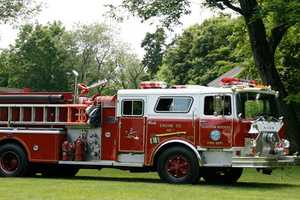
point(28, 99)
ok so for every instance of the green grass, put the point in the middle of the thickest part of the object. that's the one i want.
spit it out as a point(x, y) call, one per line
point(113, 184)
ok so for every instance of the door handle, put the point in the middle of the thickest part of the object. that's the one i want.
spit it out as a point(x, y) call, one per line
point(151, 123)
point(203, 121)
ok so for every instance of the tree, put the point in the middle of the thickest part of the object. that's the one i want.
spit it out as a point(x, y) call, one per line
point(100, 56)
point(94, 45)
point(264, 40)
point(153, 44)
point(130, 72)
point(40, 58)
point(4, 66)
point(203, 52)
point(12, 10)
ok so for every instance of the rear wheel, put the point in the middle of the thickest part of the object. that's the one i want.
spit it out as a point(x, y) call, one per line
point(178, 165)
point(222, 175)
point(13, 160)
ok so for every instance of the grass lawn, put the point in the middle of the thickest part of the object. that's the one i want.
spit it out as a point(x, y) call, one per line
point(113, 184)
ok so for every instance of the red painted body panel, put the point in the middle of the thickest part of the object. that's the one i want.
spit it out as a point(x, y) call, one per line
point(132, 134)
point(241, 129)
point(224, 125)
point(106, 101)
point(49, 145)
point(109, 135)
point(167, 129)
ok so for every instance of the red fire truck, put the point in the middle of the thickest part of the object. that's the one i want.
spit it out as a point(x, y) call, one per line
point(184, 133)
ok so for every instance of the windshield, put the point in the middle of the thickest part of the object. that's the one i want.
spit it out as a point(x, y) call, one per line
point(251, 105)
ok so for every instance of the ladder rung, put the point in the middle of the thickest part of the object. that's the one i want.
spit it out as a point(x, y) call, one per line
point(57, 114)
point(9, 114)
point(45, 114)
point(32, 114)
point(21, 118)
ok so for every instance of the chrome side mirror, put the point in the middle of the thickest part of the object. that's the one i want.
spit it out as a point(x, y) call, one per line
point(240, 116)
point(215, 113)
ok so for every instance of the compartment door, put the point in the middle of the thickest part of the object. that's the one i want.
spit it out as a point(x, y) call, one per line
point(132, 125)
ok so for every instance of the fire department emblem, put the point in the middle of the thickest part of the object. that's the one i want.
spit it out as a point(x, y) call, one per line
point(215, 135)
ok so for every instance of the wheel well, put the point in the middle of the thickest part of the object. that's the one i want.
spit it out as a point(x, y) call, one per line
point(170, 145)
point(16, 142)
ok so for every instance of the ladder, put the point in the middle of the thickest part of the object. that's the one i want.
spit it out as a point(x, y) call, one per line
point(43, 114)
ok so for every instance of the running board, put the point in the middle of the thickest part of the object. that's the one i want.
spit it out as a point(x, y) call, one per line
point(106, 163)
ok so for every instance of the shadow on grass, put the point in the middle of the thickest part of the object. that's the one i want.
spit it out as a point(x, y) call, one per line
point(98, 178)
point(240, 185)
point(255, 185)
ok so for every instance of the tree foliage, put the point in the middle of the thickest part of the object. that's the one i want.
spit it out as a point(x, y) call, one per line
point(168, 11)
point(100, 56)
point(12, 10)
point(266, 21)
point(44, 56)
point(204, 52)
point(39, 58)
point(154, 45)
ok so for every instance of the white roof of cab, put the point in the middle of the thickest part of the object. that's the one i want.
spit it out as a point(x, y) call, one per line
point(183, 91)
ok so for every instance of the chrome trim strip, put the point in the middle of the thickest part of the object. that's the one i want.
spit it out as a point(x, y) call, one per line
point(215, 165)
point(101, 163)
point(42, 105)
point(199, 148)
point(41, 123)
point(31, 131)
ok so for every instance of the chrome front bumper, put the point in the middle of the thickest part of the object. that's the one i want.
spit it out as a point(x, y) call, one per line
point(265, 162)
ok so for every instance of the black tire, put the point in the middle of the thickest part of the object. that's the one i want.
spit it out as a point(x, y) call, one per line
point(60, 171)
point(222, 175)
point(13, 161)
point(178, 165)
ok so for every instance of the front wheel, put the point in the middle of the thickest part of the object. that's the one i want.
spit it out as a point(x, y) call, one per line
point(13, 160)
point(178, 165)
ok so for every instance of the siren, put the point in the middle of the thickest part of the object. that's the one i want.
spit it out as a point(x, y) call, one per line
point(153, 85)
point(228, 81)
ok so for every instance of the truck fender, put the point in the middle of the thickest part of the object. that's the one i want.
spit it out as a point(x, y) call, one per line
point(177, 142)
point(19, 142)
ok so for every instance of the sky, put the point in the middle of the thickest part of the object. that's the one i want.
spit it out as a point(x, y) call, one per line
point(70, 12)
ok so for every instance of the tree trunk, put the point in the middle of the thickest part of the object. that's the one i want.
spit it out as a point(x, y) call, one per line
point(264, 61)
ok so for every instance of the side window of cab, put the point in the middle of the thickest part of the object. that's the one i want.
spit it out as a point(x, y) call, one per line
point(217, 105)
point(132, 107)
point(173, 104)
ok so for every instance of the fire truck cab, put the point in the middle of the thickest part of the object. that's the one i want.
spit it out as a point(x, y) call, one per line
point(184, 133)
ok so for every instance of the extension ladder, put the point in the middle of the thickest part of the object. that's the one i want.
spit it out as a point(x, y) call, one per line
point(42, 114)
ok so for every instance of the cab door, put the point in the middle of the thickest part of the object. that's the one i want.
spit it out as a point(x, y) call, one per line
point(216, 121)
point(132, 125)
